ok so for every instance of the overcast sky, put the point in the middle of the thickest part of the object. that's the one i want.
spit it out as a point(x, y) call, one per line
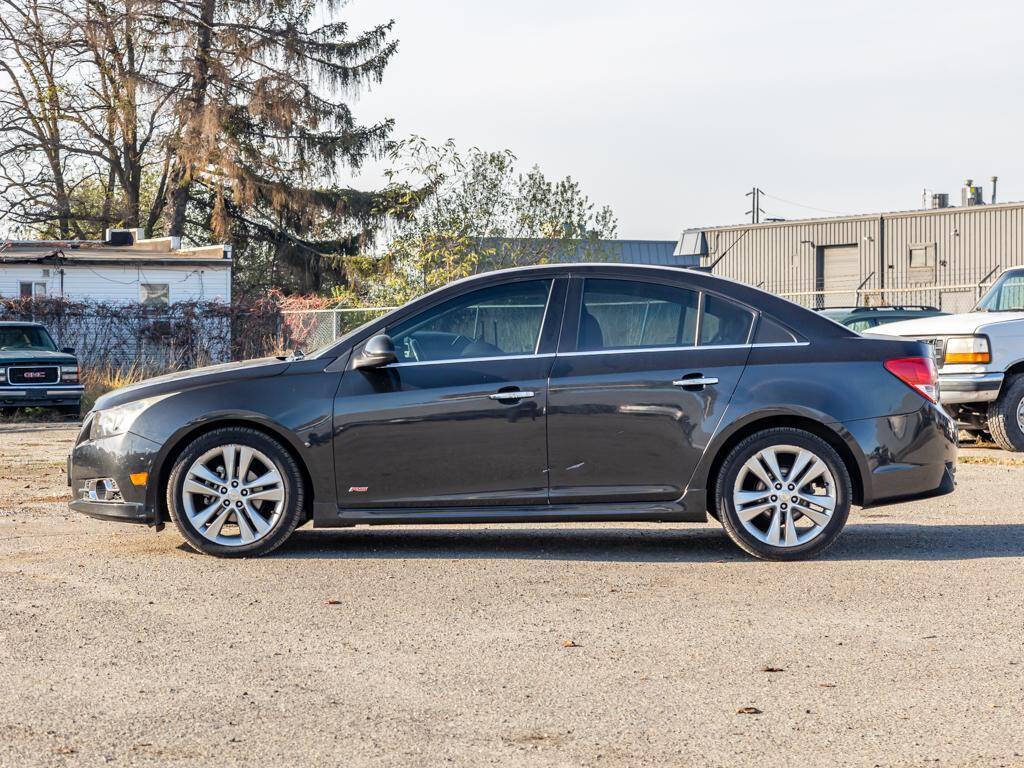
point(671, 111)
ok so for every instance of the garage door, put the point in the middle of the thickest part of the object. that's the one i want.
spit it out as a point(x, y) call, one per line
point(840, 271)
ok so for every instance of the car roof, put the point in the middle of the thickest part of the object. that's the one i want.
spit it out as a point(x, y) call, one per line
point(798, 318)
point(20, 324)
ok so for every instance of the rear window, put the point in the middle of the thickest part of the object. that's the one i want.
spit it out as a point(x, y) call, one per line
point(724, 323)
point(771, 332)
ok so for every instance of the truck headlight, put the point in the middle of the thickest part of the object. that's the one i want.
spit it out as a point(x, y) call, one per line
point(967, 349)
point(116, 421)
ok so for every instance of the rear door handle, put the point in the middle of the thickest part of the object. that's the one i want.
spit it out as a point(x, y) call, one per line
point(510, 396)
point(697, 381)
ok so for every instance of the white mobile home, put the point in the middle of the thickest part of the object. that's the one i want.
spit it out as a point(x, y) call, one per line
point(123, 268)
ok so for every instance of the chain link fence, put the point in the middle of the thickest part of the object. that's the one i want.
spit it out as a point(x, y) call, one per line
point(957, 298)
point(305, 330)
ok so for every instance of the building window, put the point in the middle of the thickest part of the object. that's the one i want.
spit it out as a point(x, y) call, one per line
point(922, 261)
point(155, 294)
point(29, 290)
point(922, 256)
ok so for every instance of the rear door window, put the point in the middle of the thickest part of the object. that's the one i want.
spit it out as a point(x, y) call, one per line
point(628, 314)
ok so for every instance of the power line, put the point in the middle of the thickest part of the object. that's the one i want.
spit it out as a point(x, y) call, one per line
point(801, 205)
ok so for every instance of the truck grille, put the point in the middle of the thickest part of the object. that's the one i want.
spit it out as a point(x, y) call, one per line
point(938, 349)
point(33, 374)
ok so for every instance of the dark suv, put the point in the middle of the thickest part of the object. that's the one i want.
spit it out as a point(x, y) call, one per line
point(865, 318)
point(33, 372)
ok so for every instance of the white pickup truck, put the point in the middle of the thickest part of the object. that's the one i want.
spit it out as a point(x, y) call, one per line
point(980, 355)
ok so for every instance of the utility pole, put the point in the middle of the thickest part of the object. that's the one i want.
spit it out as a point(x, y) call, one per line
point(755, 205)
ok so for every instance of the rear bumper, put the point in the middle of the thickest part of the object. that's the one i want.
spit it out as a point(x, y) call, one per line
point(13, 396)
point(956, 388)
point(909, 456)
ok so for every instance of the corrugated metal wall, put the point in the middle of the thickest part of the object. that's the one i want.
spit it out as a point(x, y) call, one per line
point(967, 243)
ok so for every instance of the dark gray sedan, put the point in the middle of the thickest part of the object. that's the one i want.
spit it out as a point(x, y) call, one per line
point(545, 394)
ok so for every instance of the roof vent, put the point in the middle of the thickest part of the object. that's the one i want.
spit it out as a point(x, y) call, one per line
point(121, 237)
point(970, 194)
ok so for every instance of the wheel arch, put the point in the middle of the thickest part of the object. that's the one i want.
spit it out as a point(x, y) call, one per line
point(1014, 370)
point(757, 424)
point(179, 441)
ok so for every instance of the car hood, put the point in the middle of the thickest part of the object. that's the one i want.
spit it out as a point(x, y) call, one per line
point(946, 325)
point(35, 356)
point(198, 377)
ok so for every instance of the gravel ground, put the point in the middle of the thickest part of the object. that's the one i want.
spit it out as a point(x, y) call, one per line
point(558, 645)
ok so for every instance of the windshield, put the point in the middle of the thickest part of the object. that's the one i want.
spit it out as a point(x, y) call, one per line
point(26, 337)
point(1005, 295)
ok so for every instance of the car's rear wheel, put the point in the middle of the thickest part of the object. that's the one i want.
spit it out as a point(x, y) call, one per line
point(783, 494)
point(1006, 416)
point(235, 492)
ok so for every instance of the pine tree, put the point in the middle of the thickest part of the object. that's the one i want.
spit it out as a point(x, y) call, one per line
point(263, 131)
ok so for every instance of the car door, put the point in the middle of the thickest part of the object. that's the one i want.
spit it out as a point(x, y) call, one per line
point(459, 420)
point(642, 378)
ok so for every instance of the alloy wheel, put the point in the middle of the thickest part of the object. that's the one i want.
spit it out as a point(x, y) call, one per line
point(784, 495)
point(233, 495)
point(1020, 414)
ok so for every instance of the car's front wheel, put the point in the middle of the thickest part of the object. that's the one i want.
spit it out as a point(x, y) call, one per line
point(235, 492)
point(783, 494)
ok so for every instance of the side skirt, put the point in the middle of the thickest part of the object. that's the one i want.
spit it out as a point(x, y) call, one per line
point(325, 516)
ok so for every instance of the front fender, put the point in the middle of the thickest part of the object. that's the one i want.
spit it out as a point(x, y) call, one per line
point(295, 407)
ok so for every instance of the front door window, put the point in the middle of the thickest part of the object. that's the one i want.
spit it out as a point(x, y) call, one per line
point(499, 321)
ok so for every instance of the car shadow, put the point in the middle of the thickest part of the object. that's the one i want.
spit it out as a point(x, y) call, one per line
point(860, 541)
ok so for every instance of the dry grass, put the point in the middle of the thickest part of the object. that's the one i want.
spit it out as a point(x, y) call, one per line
point(102, 379)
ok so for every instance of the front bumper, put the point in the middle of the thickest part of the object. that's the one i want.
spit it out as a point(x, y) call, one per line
point(118, 511)
point(117, 457)
point(12, 396)
point(956, 388)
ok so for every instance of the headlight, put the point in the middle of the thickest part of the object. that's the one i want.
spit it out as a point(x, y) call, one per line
point(967, 349)
point(116, 421)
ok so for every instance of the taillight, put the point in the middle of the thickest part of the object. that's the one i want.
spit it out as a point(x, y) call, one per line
point(918, 373)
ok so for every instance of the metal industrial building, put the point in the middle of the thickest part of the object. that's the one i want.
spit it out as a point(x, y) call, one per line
point(942, 256)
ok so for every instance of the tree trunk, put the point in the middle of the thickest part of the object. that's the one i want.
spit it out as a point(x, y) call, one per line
point(182, 177)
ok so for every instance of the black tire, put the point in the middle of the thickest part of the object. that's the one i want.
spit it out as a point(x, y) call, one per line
point(73, 411)
point(750, 447)
point(1002, 415)
point(293, 506)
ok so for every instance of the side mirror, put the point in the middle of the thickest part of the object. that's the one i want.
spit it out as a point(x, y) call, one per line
point(377, 351)
point(68, 350)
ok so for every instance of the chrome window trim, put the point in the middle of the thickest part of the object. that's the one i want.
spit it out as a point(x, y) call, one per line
point(623, 350)
point(467, 360)
point(544, 317)
point(633, 350)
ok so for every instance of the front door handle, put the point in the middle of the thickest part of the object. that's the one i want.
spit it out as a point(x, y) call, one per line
point(510, 396)
point(697, 381)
